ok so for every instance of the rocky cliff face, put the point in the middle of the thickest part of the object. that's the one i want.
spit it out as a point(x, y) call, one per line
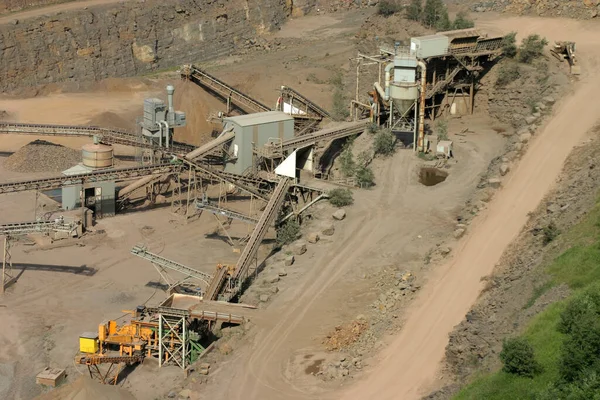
point(130, 38)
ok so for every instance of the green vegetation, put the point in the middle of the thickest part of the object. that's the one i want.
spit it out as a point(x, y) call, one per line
point(365, 177)
point(384, 143)
point(550, 233)
point(507, 74)
point(340, 106)
point(347, 163)
point(288, 232)
point(509, 45)
point(387, 8)
point(442, 130)
point(565, 337)
point(414, 11)
point(518, 358)
point(340, 197)
point(462, 21)
point(531, 48)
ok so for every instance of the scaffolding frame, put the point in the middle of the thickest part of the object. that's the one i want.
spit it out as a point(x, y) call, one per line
point(173, 339)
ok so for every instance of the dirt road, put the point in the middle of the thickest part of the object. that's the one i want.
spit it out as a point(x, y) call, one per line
point(54, 9)
point(408, 366)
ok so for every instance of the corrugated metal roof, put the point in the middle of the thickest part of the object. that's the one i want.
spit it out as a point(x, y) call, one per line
point(430, 37)
point(259, 118)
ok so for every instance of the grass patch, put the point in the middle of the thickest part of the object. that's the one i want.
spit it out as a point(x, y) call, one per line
point(546, 341)
point(538, 291)
point(578, 267)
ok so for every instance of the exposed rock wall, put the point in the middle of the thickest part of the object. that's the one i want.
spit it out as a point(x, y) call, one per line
point(130, 38)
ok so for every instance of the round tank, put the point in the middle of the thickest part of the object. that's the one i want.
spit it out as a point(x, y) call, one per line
point(97, 155)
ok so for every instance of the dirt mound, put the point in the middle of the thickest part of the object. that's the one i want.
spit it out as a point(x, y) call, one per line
point(198, 105)
point(345, 335)
point(87, 389)
point(112, 120)
point(42, 156)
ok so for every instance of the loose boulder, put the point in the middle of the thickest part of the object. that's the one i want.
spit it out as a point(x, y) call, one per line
point(339, 214)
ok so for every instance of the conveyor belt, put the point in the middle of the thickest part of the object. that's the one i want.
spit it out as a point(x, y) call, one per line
point(236, 180)
point(105, 135)
point(299, 101)
point(207, 81)
point(267, 217)
point(25, 228)
point(211, 146)
point(201, 205)
point(116, 175)
point(163, 262)
point(340, 131)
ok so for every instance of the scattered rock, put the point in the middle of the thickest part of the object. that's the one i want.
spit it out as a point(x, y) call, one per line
point(525, 137)
point(185, 393)
point(172, 394)
point(540, 106)
point(299, 247)
point(225, 348)
point(264, 298)
point(518, 147)
point(458, 233)
point(160, 199)
point(282, 272)
point(494, 182)
point(273, 279)
point(203, 371)
point(531, 119)
point(504, 168)
point(339, 214)
point(328, 229)
point(289, 260)
point(549, 100)
point(313, 237)
point(445, 250)
point(275, 289)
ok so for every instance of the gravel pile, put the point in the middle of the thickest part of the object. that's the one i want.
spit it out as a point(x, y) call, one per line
point(42, 156)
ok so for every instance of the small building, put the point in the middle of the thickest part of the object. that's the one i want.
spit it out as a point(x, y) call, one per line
point(429, 46)
point(98, 196)
point(254, 131)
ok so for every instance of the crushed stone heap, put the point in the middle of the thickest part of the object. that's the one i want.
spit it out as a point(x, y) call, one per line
point(42, 156)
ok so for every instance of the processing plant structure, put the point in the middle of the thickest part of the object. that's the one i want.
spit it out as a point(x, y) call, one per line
point(260, 154)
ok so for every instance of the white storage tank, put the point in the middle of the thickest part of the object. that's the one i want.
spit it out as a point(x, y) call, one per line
point(97, 155)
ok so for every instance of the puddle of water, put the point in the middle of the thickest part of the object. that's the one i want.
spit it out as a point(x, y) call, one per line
point(314, 367)
point(432, 176)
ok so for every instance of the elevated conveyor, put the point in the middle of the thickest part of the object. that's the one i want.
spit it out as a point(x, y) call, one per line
point(309, 109)
point(242, 101)
point(339, 131)
point(105, 135)
point(249, 252)
point(165, 263)
point(116, 175)
point(203, 205)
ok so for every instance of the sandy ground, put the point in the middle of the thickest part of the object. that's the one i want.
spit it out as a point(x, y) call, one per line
point(55, 9)
point(407, 368)
point(392, 225)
